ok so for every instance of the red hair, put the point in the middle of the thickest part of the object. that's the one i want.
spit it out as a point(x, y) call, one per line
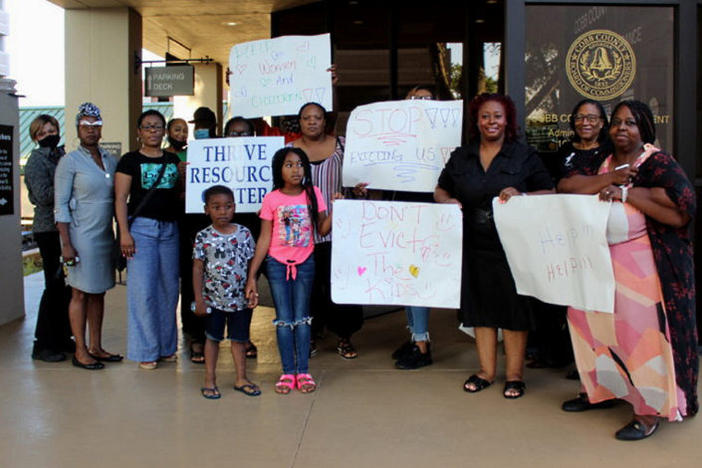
point(511, 130)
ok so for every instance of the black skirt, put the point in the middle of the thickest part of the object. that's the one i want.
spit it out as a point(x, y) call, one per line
point(489, 296)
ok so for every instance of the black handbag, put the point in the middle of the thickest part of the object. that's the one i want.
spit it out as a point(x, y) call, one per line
point(120, 261)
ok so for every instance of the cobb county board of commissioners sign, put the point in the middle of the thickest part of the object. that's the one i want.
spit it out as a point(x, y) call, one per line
point(600, 64)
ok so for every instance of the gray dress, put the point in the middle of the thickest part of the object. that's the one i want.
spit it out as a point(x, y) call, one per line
point(84, 199)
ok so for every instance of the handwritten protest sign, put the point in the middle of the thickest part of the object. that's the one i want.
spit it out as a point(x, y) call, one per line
point(401, 145)
point(277, 76)
point(396, 253)
point(242, 164)
point(557, 249)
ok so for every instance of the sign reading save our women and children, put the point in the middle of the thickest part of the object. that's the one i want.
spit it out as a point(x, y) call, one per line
point(242, 164)
point(277, 76)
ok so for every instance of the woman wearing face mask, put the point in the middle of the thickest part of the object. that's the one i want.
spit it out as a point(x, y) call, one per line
point(188, 226)
point(84, 212)
point(177, 137)
point(53, 332)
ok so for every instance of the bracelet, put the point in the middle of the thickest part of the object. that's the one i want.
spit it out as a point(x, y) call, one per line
point(625, 192)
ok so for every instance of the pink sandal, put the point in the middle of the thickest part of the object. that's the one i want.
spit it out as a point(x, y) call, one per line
point(285, 384)
point(305, 383)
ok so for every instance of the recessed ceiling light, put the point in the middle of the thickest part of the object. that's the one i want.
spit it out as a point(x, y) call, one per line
point(230, 23)
point(358, 22)
point(479, 21)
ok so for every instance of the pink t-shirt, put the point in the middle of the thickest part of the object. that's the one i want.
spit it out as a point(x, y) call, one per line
point(291, 237)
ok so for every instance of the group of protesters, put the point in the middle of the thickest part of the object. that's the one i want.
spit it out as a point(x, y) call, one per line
point(644, 353)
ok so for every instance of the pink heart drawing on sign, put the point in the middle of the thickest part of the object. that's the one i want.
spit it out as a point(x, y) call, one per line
point(361, 270)
point(241, 68)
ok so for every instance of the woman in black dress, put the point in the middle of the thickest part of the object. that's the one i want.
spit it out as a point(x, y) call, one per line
point(493, 164)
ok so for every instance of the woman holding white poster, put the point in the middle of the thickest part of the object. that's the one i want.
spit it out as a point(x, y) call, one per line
point(494, 164)
point(645, 353)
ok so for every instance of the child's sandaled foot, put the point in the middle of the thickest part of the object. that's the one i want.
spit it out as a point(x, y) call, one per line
point(251, 350)
point(514, 389)
point(285, 384)
point(248, 389)
point(211, 393)
point(346, 349)
point(197, 355)
point(305, 383)
point(475, 384)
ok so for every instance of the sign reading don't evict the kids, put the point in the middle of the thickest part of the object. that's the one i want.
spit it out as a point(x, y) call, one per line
point(243, 164)
point(396, 253)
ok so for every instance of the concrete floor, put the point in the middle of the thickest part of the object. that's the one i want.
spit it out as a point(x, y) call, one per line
point(364, 414)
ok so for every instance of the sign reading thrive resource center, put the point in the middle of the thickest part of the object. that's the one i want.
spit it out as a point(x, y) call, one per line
point(396, 253)
point(556, 246)
point(401, 145)
point(242, 164)
point(277, 76)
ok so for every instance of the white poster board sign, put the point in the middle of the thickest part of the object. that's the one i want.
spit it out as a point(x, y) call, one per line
point(396, 253)
point(401, 145)
point(556, 246)
point(277, 76)
point(243, 164)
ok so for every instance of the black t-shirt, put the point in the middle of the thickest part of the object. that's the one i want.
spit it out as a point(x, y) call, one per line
point(163, 205)
point(573, 161)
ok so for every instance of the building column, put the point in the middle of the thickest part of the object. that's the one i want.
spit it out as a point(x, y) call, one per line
point(102, 46)
point(208, 93)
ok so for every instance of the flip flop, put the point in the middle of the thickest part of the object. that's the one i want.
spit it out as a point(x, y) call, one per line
point(248, 389)
point(251, 351)
point(215, 395)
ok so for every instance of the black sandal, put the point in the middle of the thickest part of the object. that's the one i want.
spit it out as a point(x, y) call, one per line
point(517, 385)
point(197, 357)
point(346, 349)
point(478, 382)
point(251, 350)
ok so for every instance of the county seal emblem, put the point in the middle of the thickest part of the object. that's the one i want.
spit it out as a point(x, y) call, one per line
point(600, 64)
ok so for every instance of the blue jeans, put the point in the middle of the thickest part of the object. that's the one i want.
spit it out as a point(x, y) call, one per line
point(292, 312)
point(418, 322)
point(152, 290)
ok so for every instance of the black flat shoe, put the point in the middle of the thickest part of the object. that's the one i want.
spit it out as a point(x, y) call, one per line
point(404, 349)
point(636, 430)
point(108, 358)
point(48, 355)
point(581, 403)
point(93, 366)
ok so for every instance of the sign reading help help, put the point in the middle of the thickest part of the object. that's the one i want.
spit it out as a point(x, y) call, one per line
point(243, 164)
point(401, 145)
point(557, 249)
point(277, 76)
point(396, 253)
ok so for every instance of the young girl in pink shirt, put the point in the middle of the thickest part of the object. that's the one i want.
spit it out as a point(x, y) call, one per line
point(289, 215)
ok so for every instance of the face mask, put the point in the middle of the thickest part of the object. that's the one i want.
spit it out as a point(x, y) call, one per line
point(50, 141)
point(201, 133)
point(177, 145)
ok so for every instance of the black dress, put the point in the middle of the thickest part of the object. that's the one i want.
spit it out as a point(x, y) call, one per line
point(488, 296)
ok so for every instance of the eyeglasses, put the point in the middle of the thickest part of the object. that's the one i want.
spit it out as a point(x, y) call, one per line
point(235, 134)
point(592, 118)
point(421, 98)
point(152, 128)
point(87, 124)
